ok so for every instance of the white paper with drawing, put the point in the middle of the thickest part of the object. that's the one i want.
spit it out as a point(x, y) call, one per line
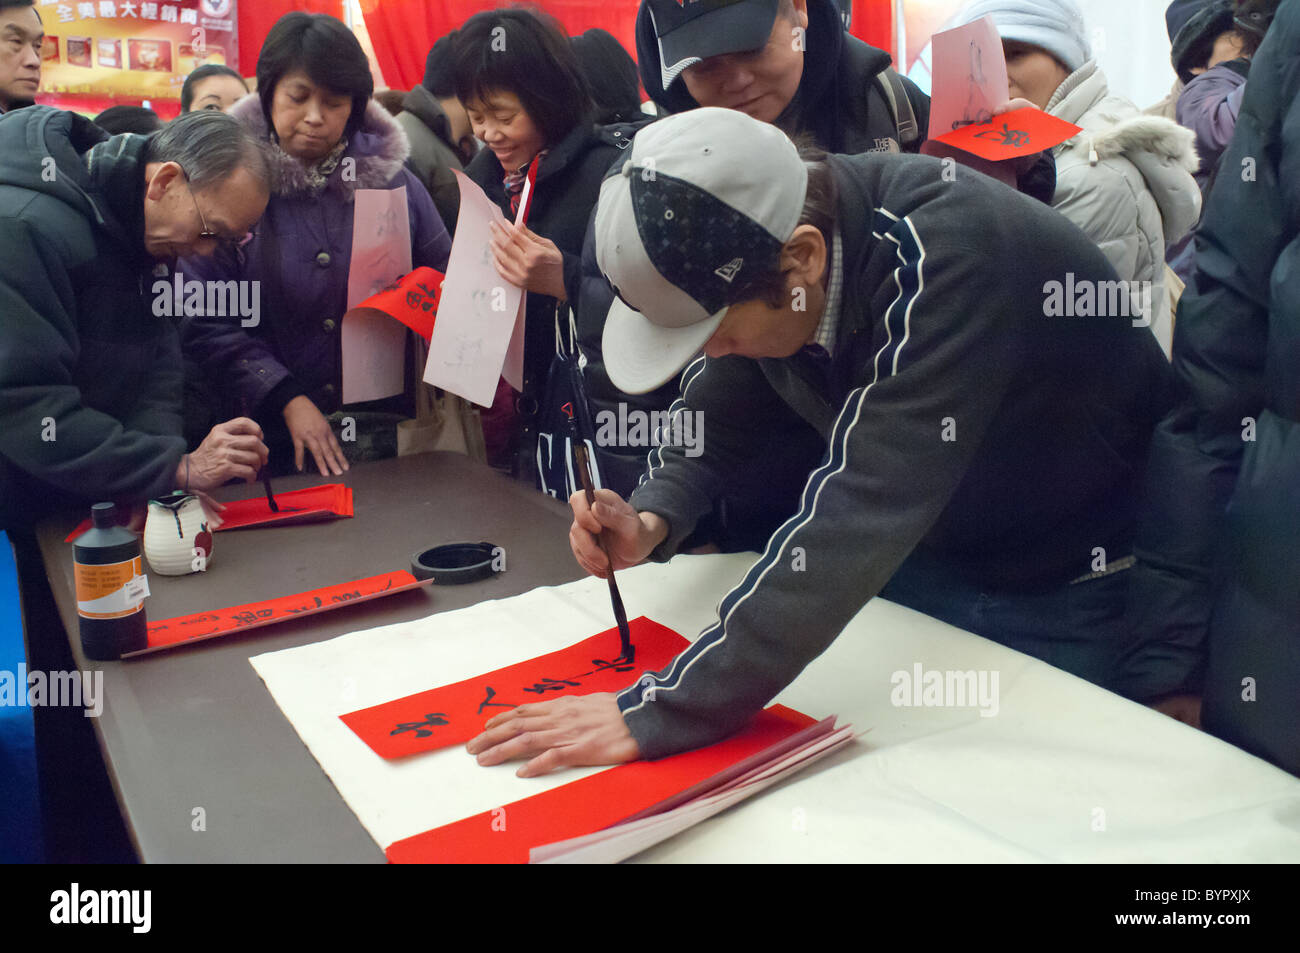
point(478, 309)
point(970, 76)
point(374, 347)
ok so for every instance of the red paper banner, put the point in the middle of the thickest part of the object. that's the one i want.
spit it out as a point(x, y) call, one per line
point(412, 300)
point(310, 505)
point(168, 633)
point(1019, 133)
point(296, 506)
point(456, 713)
point(505, 835)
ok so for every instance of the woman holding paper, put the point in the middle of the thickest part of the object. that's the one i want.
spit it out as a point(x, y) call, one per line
point(520, 81)
point(338, 176)
point(1126, 179)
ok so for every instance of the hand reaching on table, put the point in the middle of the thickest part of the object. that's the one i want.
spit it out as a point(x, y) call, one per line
point(577, 730)
point(311, 431)
point(232, 450)
point(631, 536)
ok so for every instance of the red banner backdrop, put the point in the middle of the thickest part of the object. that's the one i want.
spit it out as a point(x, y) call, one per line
point(256, 17)
point(404, 30)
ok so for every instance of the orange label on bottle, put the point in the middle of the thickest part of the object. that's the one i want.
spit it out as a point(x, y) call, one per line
point(112, 590)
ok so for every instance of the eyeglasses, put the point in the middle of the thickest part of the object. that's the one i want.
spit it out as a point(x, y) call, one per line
point(223, 240)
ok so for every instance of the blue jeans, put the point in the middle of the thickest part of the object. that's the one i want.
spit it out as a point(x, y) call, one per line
point(1078, 628)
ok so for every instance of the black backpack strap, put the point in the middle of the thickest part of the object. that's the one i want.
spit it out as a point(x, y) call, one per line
point(900, 106)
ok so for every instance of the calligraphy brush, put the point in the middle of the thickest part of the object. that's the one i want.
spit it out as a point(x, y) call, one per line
point(620, 614)
point(262, 474)
point(266, 485)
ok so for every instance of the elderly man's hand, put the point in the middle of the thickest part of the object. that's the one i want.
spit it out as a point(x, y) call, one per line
point(563, 732)
point(233, 450)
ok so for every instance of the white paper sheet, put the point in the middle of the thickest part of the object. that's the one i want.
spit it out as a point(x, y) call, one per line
point(374, 345)
point(374, 356)
point(970, 76)
point(478, 310)
point(1064, 772)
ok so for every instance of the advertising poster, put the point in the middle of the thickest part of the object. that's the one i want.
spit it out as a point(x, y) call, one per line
point(130, 50)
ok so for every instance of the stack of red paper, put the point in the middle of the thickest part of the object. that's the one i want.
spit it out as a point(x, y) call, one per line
point(614, 814)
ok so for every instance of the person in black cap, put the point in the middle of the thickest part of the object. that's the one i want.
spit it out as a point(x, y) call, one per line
point(788, 62)
point(138, 119)
point(611, 75)
point(435, 121)
point(977, 452)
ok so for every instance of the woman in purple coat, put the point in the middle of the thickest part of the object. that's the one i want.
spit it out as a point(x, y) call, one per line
point(327, 139)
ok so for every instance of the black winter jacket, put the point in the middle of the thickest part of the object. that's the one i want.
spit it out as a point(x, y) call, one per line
point(1224, 481)
point(90, 378)
point(956, 414)
point(564, 198)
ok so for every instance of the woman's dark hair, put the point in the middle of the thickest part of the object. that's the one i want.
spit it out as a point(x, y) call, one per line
point(819, 210)
point(526, 53)
point(324, 49)
point(199, 75)
point(611, 76)
point(138, 119)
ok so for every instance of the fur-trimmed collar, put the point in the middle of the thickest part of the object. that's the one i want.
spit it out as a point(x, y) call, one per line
point(379, 147)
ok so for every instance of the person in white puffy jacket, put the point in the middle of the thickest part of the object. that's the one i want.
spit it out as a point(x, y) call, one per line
point(1126, 179)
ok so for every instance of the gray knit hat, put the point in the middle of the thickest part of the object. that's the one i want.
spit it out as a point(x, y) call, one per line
point(1054, 25)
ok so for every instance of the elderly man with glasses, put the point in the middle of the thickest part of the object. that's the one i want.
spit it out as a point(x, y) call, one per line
point(90, 374)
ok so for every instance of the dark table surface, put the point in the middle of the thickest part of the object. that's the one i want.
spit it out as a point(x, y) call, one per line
point(194, 727)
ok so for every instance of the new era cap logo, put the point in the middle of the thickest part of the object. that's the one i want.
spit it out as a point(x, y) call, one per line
point(729, 271)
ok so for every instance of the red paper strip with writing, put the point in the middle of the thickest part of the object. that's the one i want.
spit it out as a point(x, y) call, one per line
point(456, 713)
point(168, 633)
point(1012, 134)
point(592, 803)
point(315, 503)
point(307, 505)
point(412, 300)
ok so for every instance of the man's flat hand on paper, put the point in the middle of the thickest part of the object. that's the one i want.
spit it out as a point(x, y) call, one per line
point(631, 536)
point(573, 731)
point(310, 430)
point(528, 261)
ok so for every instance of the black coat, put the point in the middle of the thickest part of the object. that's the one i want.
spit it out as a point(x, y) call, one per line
point(564, 198)
point(1220, 548)
point(90, 377)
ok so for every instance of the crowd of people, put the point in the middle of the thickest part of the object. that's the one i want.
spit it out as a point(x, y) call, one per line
point(771, 245)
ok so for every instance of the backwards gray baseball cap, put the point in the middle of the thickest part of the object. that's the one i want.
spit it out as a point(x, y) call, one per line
point(689, 223)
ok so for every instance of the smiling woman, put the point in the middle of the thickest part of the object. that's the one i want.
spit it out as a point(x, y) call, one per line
point(518, 76)
point(327, 140)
